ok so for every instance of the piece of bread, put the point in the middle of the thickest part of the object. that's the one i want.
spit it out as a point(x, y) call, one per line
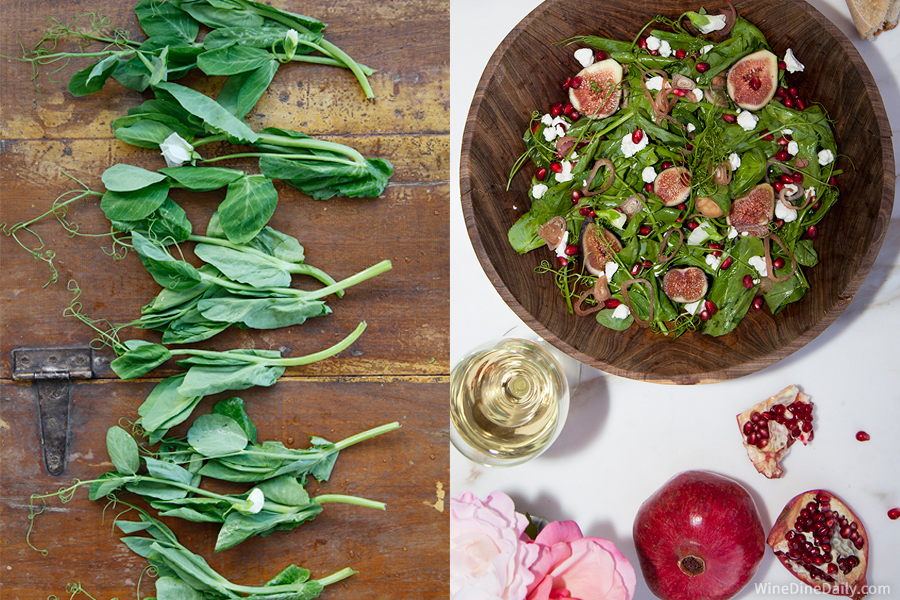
point(871, 17)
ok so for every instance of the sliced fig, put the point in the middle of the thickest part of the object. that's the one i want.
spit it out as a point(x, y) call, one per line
point(553, 231)
point(771, 427)
point(599, 94)
point(707, 207)
point(752, 81)
point(685, 285)
point(673, 185)
point(598, 246)
point(822, 542)
point(751, 213)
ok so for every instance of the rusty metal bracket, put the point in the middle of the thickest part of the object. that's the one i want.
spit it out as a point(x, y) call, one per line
point(52, 371)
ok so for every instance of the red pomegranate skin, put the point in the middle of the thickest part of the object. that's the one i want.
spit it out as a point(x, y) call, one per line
point(707, 516)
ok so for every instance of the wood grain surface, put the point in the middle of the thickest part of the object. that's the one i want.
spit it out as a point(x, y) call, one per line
point(398, 369)
point(524, 75)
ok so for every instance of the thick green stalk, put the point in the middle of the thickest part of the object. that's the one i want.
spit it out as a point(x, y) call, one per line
point(348, 500)
point(365, 435)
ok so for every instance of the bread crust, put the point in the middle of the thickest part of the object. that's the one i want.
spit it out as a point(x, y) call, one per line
point(871, 17)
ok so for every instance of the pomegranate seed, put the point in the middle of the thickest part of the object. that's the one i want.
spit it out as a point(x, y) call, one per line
point(748, 428)
point(680, 53)
point(832, 180)
point(704, 316)
point(769, 137)
point(646, 230)
point(574, 115)
point(572, 250)
point(781, 155)
point(601, 54)
point(654, 52)
point(679, 219)
point(648, 187)
point(755, 83)
point(793, 92)
point(637, 135)
point(717, 253)
point(782, 141)
point(702, 67)
point(692, 225)
point(729, 118)
point(757, 303)
point(726, 264)
point(778, 263)
point(807, 427)
point(788, 102)
point(534, 127)
point(786, 178)
point(567, 83)
point(576, 196)
point(715, 246)
point(642, 42)
point(585, 211)
point(568, 108)
point(862, 436)
point(748, 281)
point(556, 167)
point(781, 91)
point(894, 514)
point(575, 83)
point(647, 264)
point(635, 268)
point(612, 303)
point(556, 109)
point(712, 308)
point(592, 214)
point(541, 174)
point(798, 178)
point(782, 65)
point(779, 223)
point(562, 261)
point(800, 103)
point(667, 164)
point(812, 232)
point(682, 206)
point(816, 206)
point(681, 93)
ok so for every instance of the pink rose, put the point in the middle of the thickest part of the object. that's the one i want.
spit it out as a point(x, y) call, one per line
point(488, 560)
point(573, 566)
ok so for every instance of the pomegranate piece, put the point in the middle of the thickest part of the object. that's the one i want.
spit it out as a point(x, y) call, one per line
point(894, 514)
point(862, 436)
point(771, 427)
point(819, 539)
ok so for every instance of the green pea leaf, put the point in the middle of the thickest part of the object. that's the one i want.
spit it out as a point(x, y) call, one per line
point(252, 269)
point(215, 17)
point(128, 178)
point(92, 79)
point(145, 133)
point(167, 271)
point(262, 313)
point(322, 180)
point(165, 407)
point(168, 224)
point(169, 471)
point(249, 204)
point(234, 408)
point(202, 179)
point(166, 19)
point(256, 37)
point(207, 380)
point(123, 451)
point(216, 435)
point(241, 92)
point(169, 588)
point(139, 360)
point(231, 60)
point(106, 485)
point(209, 111)
point(134, 205)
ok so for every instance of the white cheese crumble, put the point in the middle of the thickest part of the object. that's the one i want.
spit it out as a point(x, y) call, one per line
point(793, 65)
point(785, 212)
point(732, 233)
point(629, 148)
point(648, 174)
point(713, 261)
point(538, 191)
point(693, 307)
point(734, 160)
point(555, 127)
point(791, 189)
point(585, 56)
point(715, 23)
point(653, 42)
point(759, 263)
point(691, 127)
point(610, 269)
point(621, 312)
point(665, 49)
point(706, 48)
point(654, 83)
point(787, 131)
point(566, 174)
point(793, 147)
point(826, 157)
point(697, 93)
point(747, 120)
point(810, 193)
point(563, 244)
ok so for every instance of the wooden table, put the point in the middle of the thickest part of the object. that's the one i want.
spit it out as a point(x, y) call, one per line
point(398, 370)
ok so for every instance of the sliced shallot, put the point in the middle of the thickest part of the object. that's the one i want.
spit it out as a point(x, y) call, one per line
point(594, 170)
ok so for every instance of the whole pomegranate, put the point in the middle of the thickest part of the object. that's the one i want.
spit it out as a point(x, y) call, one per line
point(823, 543)
point(699, 537)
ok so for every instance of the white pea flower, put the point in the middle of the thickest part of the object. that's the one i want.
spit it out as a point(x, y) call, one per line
point(177, 151)
point(256, 499)
point(291, 39)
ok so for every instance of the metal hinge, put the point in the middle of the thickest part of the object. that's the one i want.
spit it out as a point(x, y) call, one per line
point(52, 370)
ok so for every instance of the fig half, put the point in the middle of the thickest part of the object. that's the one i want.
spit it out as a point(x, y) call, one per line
point(752, 81)
point(751, 213)
point(685, 285)
point(599, 94)
point(673, 186)
point(598, 246)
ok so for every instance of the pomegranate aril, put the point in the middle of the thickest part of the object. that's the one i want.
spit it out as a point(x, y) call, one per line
point(894, 514)
point(576, 196)
point(781, 91)
point(702, 67)
point(612, 303)
point(556, 109)
point(680, 53)
point(726, 264)
point(755, 83)
point(778, 186)
point(637, 135)
point(601, 55)
point(541, 174)
point(648, 187)
point(782, 65)
point(712, 308)
point(862, 436)
point(562, 261)
point(753, 439)
point(572, 250)
point(757, 303)
point(646, 230)
point(636, 268)
point(748, 428)
point(729, 118)
point(667, 164)
point(781, 155)
point(567, 84)
point(806, 427)
point(575, 83)
point(778, 263)
point(788, 102)
point(812, 232)
point(556, 167)
point(585, 211)
point(692, 225)
point(642, 42)
point(681, 206)
point(647, 264)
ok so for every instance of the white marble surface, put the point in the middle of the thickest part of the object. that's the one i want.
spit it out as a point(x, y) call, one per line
point(624, 438)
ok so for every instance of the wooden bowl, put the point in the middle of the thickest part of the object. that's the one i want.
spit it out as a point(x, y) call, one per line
point(524, 74)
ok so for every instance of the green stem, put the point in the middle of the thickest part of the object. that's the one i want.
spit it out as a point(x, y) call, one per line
point(365, 435)
point(335, 577)
point(348, 500)
point(352, 65)
point(286, 362)
point(313, 157)
point(311, 144)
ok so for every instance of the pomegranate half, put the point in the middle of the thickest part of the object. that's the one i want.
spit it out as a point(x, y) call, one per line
point(699, 537)
point(823, 543)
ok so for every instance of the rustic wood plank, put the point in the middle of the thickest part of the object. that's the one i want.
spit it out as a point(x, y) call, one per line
point(398, 553)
